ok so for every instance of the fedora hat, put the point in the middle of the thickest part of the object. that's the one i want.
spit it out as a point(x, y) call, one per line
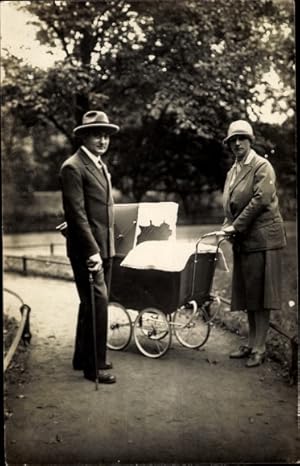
point(239, 128)
point(96, 119)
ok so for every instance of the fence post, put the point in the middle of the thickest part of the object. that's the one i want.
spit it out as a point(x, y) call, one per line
point(51, 249)
point(24, 260)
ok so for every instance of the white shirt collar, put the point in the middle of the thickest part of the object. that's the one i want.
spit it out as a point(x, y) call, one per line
point(93, 157)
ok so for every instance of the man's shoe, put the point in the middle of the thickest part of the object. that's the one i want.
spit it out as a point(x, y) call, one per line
point(107, 366)
point(242, 352)
point(106, 378)
point(256, 359)
point(103, 377)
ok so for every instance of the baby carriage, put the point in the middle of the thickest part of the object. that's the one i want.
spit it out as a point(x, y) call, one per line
point(160, 286)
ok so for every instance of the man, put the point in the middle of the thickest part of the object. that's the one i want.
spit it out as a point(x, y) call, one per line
point(88, 207)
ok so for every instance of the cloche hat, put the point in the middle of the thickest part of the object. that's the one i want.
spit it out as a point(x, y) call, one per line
point(239, 127)
point(96, 119)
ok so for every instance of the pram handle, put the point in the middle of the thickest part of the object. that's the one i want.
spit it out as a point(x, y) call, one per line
point(223, 235)
point(219, 233)
point(61, 226)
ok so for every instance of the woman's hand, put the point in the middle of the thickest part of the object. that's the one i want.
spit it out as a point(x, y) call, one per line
point(229, 230)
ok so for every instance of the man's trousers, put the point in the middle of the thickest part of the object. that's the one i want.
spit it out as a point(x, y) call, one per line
point(84, 350)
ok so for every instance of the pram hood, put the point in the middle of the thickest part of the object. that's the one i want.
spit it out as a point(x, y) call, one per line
point(136, 223)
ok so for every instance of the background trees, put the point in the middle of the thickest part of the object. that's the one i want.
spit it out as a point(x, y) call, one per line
point(172, 74)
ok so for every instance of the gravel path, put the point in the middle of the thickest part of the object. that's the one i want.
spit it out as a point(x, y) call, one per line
point(189, 406)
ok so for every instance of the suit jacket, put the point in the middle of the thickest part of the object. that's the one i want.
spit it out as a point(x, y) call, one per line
point(251, 206)
point(88, 207)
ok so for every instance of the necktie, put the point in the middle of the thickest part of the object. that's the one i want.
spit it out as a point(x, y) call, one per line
point(236, 169)
point(109, 209)
point(103, 167)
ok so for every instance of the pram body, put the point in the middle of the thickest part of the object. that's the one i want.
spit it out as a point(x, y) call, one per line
point(159, 286)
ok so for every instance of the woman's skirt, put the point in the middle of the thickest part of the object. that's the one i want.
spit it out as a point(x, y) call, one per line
point(256, 280)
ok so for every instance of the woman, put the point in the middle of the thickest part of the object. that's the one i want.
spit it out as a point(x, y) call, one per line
point(253, 219)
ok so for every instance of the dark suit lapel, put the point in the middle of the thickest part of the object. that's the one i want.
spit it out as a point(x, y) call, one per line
point(93, 169)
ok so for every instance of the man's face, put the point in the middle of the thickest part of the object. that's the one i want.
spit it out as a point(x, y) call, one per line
point(97, 141)
point(240, 146)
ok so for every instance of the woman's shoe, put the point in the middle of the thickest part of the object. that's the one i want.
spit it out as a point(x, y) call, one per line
point(242, 352)
point(255, 359)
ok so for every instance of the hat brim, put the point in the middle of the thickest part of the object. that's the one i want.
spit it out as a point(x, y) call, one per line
point(238, 133)
point(107, 127)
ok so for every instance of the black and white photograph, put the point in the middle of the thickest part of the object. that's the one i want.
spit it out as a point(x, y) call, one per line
point(149, 232)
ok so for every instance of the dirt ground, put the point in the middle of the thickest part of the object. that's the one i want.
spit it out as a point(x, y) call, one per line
point(191, 406)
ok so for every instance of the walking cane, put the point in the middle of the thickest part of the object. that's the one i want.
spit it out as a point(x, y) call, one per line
point(91, 280)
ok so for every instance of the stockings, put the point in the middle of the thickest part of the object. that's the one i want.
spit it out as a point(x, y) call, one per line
point(258, 322)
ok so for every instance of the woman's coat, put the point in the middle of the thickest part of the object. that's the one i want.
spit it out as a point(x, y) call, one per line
point(251, 206)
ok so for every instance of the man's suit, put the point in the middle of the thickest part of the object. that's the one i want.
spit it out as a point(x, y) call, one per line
point(88, 207)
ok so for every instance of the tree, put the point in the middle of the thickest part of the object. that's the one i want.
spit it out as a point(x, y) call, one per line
point(16, 143)
point(171, 73)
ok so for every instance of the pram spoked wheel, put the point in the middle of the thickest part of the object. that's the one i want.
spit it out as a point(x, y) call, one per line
point(191, 325)
point(212, 307)
point(119, 327)
point(152, 333)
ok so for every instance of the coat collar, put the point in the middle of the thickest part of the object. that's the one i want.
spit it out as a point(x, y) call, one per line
point(245, 169)
point(91, 166)
point(249, 157)
point(91, 156)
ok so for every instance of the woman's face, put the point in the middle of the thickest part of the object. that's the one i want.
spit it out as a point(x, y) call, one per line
point(240, 146)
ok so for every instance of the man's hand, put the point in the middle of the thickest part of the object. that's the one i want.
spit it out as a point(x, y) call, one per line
point(94, 263)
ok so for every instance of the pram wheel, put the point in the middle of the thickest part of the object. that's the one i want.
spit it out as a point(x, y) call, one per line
point(212, 307)
point(119, 327)
point(191, 326)
point(152, 333)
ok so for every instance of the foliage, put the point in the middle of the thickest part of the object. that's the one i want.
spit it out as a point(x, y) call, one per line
point(203, 60)
point(279, 144)
point(173, 74)
point(18, 164)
